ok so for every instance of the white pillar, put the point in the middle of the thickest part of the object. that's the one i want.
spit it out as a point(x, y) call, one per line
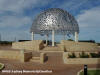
point(32, 37)
point(76, 36)
point(64, 37)
point(46, 40)
point(53, 37)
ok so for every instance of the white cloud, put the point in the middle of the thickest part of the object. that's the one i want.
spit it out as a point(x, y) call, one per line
point(89, 18)
point(89, 23)
point(73, 4)
point(19, 5)
point(17, 18)
point(14, 21)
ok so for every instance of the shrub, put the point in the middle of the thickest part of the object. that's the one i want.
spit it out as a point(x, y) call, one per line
point(70, 39)
point(95, 55)
point(72, 55)
point(83, 55)
point(1, 66)
point(98, 44)
point(5, 43)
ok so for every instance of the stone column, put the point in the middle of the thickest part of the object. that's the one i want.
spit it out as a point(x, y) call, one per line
point(53, 38)
point(42, 57)
point(46, 39)
point(76, 36)
point(22, 55)
point(65, 56)
point(64, 37)
point(32, 37)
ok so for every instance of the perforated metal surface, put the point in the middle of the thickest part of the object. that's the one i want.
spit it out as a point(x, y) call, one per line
point(54, 19)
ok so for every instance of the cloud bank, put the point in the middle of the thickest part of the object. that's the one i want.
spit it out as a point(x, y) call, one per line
point(89, 22)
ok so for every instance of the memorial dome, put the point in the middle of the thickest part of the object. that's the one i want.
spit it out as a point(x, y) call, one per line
point(54, 19)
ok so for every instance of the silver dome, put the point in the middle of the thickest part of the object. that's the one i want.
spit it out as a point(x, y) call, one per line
point(54, 19)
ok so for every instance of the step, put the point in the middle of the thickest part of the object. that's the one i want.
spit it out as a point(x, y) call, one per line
point(54, 49)
point(51, 51)
point(35, 58)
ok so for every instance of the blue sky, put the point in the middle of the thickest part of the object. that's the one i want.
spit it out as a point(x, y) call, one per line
point(16, 17)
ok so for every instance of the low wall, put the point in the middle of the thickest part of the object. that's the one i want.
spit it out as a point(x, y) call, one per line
point(43, 57)
point(61, 47)
point(82, 61)
point(10, 54)
point(79, 46)
point(25, 56)
point(16, 55)
point(67, 60)
point(77, 54)
point(20, 55)
point(35, 45)
point(39, 59)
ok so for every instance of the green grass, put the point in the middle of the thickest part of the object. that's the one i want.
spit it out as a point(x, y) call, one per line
point(1, 66)
point(92, 72)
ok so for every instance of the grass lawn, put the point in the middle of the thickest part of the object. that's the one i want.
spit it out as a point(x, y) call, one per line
point(92, 72)
point(1, 66)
